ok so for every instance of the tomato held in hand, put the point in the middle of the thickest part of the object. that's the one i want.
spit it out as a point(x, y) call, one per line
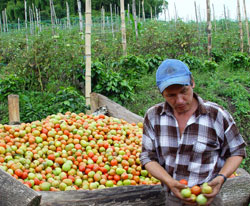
point(183, 181)
point(196, 190)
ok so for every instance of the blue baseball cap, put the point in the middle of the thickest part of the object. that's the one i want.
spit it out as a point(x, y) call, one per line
point(172, 71)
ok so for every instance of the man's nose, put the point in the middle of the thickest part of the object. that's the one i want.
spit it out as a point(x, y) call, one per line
point(179, 99)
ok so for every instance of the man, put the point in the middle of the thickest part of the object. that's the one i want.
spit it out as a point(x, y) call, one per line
point(188, 138)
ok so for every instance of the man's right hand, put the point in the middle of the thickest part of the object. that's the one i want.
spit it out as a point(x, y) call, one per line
point(176, 187)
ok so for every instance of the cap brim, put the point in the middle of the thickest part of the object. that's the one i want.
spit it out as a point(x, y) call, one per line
point(182, 80)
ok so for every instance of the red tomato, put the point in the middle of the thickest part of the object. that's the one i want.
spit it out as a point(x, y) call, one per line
point(183, 181)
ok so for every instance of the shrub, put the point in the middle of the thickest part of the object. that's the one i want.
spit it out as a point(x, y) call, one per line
point(210, 66)
point(239, 60)
point(193, 62)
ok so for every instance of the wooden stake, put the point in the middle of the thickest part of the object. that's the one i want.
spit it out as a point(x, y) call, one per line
point(1, 23)
point(68, 16)
point(123, 28)
point(151, 13)
point(111, 19)
point(225, 16)
point(128, 13)
point(214, 18)
point(3, 16)
point(209, 30)
point(103, 20)
point(6, 21)
point(52, 17)
point(247, 27)
point(143, 12)
point(134, 15)
point(79, 5)
point(88, 52)
point(240, 26)
point(139, 15)
point(13, 104)
point(164, 7)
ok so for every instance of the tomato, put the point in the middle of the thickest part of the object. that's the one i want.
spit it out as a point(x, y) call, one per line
point(196, 190)
point(183, 181)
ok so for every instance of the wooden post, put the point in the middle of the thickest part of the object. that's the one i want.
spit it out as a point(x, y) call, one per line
point(123, 28)
point(103, 20)
point(134, 15)
point(3, 16)
point(143, 12)
point(111, 19)
point(6, 21)
point(240, 26)
point(247, 27)
point(79, 5)
point(151, 13)
point(164, 7)
point(68, 16)
point(128, 13)
point(214, 18)
point(139, 15)
point(88, 52)
point(52, 17)
point(13, 104)
point(1, 23)
point(209, 30)
point(225, 16)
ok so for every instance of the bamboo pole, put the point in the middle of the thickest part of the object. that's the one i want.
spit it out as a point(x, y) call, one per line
point(6, 21)
point(79, 5)
point(26, 24)
point(134, 15)
point(143, 11)
point(225, 16)
point(40, 24)
point(175, 10)
point(209, 30)
point(111, 20)
point(1, 24)
point(214, 18)
point(151, 13)
point(169, 19)
point(13, 106)
point(37, 20)
point(128, 12)
point(3, 16)
point(196, 15)
point(68, 16)
point(247, 26)
point(88, 52)
point(123, 28)
point(240, 26)
point(164, 7)
point(155, 13)
point(103, 20)
point(31, 20)
point(139, 15)
point(52, 17)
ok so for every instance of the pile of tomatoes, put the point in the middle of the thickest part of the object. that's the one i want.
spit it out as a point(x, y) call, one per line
point(74, 151)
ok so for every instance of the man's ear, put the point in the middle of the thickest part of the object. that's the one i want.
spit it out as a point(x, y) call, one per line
point(193, 84)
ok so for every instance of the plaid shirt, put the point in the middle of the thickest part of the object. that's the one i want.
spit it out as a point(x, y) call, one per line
point(210, 137)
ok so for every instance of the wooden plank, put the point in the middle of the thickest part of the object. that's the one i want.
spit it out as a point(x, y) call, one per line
point(14, 193)
point(114, 109)
point(142, 195)
point(236, 191)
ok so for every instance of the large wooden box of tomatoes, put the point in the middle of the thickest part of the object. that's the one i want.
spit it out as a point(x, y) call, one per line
point(79, 159)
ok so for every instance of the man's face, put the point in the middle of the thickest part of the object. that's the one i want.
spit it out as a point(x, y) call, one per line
point(179, 97)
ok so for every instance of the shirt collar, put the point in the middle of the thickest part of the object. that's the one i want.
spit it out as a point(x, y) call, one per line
point(167, 109)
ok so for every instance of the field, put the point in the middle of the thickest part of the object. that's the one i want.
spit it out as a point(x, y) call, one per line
point(47, 71)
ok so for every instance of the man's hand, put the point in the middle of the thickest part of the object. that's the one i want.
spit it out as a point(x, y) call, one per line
point(176, 187)
point(216, 184)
